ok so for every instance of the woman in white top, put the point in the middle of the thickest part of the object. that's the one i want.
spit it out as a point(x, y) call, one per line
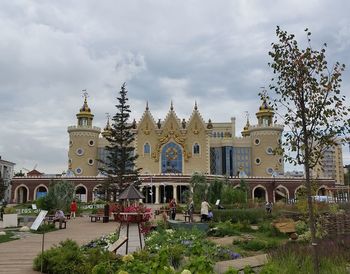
point(204, 210)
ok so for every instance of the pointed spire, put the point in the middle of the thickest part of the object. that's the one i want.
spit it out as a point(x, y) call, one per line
point(147, 108)
point(171, 106)
point(195, 105)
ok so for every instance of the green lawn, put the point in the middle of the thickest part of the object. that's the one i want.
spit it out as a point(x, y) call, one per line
point(7, 237)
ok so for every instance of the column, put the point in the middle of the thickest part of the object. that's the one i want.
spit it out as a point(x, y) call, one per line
point(175, 192)
point(141, 189)
point(157, 194)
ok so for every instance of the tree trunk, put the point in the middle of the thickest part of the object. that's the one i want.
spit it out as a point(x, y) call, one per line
point(312, 224)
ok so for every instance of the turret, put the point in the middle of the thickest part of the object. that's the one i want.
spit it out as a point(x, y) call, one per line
point(83, 143)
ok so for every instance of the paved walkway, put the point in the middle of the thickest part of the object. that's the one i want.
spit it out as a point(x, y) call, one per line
point(239, 264)
point(16, 257)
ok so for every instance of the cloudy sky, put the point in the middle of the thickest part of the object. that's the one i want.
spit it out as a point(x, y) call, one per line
point(212, 52)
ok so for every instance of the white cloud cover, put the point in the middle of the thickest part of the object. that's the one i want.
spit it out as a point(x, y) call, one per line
point(212, 52)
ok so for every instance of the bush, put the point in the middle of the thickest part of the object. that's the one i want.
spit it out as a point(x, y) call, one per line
point(64, 258)
point(251, 215)
point(9, 210)
point(258, 244)
point(45, 228)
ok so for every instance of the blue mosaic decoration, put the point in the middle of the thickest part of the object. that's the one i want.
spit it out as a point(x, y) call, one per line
point(171, 158)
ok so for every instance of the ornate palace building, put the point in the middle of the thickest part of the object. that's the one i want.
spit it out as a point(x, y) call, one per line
point(171, 150)
point(184, 147)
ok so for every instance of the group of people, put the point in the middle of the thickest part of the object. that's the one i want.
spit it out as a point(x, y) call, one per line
point(206, 213)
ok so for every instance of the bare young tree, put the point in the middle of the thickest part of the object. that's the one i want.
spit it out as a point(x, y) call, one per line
point(305, 91)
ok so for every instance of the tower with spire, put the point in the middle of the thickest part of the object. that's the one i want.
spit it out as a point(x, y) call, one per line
point(265, 139)
point(83, 143)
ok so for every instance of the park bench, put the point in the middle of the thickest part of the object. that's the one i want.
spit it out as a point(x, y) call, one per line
point(95, 217)
point(187, 217)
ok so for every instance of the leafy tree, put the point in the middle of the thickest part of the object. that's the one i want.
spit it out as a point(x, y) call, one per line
point(120, 164)
point(199, 184)
point(215, 190)
point(60, 195)
point(308, 92)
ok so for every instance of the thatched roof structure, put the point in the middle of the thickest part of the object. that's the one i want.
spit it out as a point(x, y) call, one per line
point(131, 193)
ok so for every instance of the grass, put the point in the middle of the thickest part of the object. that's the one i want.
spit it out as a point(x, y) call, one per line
point(7, 237)
point(291, 258)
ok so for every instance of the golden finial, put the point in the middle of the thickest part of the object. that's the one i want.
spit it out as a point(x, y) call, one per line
point(171, 105)
point(147, 108)
point(195, 105)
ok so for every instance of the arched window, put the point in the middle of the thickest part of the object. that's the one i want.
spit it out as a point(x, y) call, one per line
point(214, 134)
point(196, 149)
point(146, 148)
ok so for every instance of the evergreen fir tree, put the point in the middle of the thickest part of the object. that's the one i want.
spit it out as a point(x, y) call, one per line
point(120, 163)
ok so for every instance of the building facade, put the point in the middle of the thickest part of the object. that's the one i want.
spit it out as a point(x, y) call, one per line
point(184, 146)
point(6, 174)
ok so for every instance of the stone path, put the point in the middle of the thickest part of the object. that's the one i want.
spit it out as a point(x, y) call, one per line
point(16, 257)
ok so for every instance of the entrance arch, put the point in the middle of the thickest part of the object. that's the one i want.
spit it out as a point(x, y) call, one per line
point(81, 193)
point(40, 191)
point(280, 193)
point(300, 191)
point(22, 194)
point(322, 191)
point(260, 193)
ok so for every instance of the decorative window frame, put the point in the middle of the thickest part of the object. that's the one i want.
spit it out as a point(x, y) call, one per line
point(257, 161)
point(77, 171)
point(91, 162)
point(82, 151)
point(257, 141)
point(193, 149)
point(93, 143)
point(146, 153)
point(268, 151)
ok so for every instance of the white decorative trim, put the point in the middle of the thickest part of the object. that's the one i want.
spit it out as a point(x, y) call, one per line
point(16, 189)
point(274, 192)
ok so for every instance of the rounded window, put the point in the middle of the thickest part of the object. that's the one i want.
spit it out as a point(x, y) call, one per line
point(257, 141)
point(91, 162)
point(79, 170)
point(269, 150)
point(70, 143)
point(269, 170)
point(80, 151)
point(91, 143)
point(258, 161)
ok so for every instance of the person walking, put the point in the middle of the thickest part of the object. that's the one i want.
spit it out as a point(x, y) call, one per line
point(204, 210)
point(73, 209)
point(191, 209)
point(172, 207)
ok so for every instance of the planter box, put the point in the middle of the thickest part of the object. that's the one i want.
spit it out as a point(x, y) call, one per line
point(10, 220)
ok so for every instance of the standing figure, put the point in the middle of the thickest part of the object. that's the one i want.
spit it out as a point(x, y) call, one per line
point(204, 210)
point(268, 207)
point(172, 207)
point(73, 209)
point(191, 209)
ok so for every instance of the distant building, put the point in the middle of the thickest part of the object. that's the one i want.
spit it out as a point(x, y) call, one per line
point(331, 165)
point(6, 173)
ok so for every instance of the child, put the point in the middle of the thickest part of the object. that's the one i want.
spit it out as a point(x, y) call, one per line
point(73, 209)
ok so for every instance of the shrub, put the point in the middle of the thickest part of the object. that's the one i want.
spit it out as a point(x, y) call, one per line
point(10, 210)
point(251, 215)
point(200, 264)
point(64, 258)
point(44, 228)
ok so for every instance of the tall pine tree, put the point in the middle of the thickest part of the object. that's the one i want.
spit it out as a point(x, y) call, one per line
point(120, 163)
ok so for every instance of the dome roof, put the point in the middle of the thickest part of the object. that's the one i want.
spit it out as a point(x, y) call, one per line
point(85, 107)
